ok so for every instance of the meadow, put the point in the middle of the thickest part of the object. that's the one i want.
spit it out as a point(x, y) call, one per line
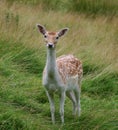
point(92, 37)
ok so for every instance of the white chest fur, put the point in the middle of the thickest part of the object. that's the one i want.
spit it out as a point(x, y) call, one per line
point(51, 78)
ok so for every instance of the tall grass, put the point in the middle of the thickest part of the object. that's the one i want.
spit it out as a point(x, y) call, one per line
point(93, 40)
point(91, 7)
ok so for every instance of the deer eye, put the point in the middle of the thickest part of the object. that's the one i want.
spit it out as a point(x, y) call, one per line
point(57, 37)
point(45, 36)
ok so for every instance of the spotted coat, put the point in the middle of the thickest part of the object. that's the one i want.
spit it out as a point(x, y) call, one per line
point(69, 66)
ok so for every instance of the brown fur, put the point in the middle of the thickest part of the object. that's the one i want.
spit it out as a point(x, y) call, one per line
point(69, 66)
point(51, 33)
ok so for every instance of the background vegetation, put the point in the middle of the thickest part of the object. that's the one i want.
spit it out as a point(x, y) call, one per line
point(93, 38)
point(106, 7)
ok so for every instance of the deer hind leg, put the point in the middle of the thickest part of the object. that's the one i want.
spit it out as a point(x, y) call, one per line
point(71, 96)
point(62, 101)
point(52, 107)
point(77, 96)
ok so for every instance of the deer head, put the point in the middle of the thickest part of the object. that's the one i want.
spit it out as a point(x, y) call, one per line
point(51, 38)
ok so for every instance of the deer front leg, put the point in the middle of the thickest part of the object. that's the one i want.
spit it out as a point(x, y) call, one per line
point(52, 107)
point(62, 101)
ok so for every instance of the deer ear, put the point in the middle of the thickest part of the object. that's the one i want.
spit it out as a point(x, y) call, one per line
point(41, 29)
point(62, 32)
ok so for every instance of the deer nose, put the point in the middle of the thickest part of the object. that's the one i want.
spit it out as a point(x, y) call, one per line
point(50, 45)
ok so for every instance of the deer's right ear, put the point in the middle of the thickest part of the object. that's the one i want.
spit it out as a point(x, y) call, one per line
point(41, 29)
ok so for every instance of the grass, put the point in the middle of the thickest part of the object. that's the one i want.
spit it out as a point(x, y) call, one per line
point(23, 102)
point(89, 7)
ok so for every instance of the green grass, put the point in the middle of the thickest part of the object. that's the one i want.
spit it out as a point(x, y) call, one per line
point(23, 102)
point(89, 7)
point(103, 85)
point(24, 105)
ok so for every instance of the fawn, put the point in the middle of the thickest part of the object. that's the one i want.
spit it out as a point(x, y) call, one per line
point(62, 75)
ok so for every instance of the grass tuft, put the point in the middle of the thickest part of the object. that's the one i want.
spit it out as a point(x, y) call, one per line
point(8, 121)
point(104, 85)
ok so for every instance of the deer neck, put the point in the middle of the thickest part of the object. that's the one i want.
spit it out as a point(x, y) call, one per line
point(51, 62)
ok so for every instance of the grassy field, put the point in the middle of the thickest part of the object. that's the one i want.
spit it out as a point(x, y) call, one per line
point(89, 7)
point(94, 40)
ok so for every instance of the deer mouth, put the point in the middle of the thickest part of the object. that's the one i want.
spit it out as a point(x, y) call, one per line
point(50, 45)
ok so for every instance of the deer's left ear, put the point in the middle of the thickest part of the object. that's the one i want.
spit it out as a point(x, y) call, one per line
point(62, 32)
